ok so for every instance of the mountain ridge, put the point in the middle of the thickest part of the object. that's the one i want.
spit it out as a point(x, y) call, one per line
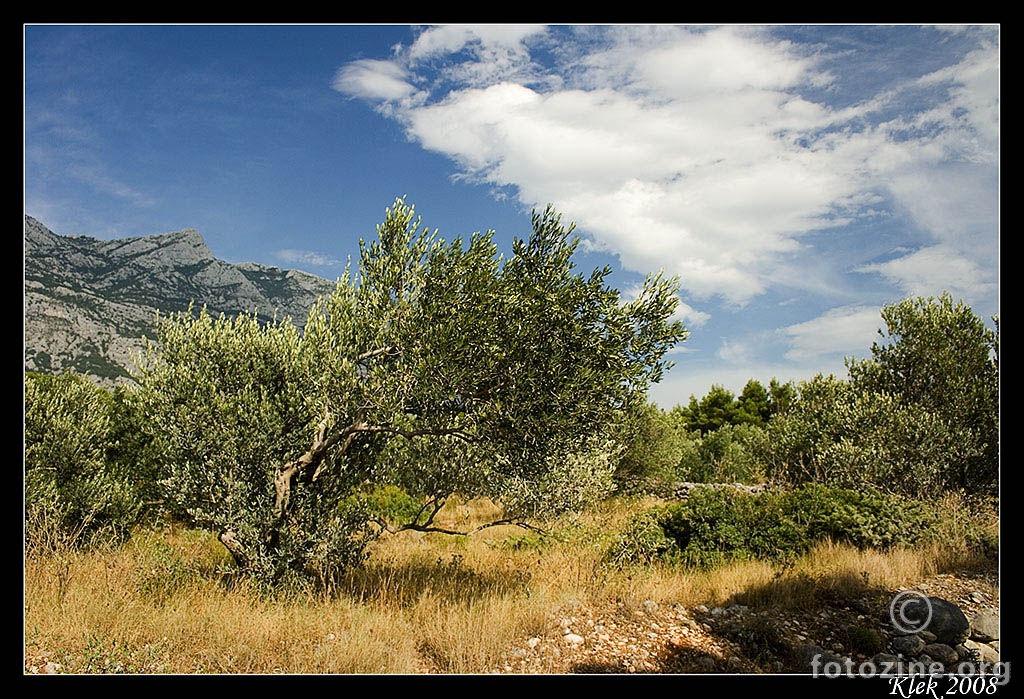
point(89, 303)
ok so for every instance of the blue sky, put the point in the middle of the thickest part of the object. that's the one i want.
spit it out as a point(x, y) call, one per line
point(795, 178)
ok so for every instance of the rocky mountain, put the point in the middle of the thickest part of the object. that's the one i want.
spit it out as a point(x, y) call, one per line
point(89, 303)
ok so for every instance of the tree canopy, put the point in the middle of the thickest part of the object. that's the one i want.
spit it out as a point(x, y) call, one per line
point(939, 357)
point(439, 367)
point(919, 417)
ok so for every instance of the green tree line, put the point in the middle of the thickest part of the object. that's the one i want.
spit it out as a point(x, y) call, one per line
point(439, 368)
point(919, 417)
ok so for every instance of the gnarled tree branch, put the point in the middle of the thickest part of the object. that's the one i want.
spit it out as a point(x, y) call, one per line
point(315, 457)
point(441, 530)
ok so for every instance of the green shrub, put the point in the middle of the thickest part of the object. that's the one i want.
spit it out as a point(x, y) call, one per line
point(642, 541)
point(862, 519)
point(715, 526)
point(74, 494)
point(986, 542)
point(388, 502)
point(712, 526)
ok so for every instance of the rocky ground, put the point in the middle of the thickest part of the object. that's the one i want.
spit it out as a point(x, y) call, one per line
point(671, 639)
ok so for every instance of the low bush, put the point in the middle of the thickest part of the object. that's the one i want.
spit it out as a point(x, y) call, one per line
point(75, 494)
point(862, 519)
point(389, 503)
point(643, 540)
point(712, 526)
point(715, 526)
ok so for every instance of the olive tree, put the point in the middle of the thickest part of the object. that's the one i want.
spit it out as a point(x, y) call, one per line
point(938, 356)
point(654, 445)
point(439, 367)
point(835, 433)
point(920, 417)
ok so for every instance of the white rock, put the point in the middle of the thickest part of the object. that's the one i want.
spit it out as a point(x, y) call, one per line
point(572, 639)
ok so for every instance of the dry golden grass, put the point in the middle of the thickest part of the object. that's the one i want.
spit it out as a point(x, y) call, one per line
point(422, 602)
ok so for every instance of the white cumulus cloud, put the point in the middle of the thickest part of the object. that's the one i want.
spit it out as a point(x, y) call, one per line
point(720, 154)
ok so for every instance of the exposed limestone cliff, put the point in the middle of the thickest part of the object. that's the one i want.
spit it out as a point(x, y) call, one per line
point(89, 303)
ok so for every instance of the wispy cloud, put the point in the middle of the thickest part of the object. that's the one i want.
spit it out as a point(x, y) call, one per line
point(848, 330)
point(307, 258)
point(375, 80)
point(497, 52)
point(933, 270)
point(95, 176)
